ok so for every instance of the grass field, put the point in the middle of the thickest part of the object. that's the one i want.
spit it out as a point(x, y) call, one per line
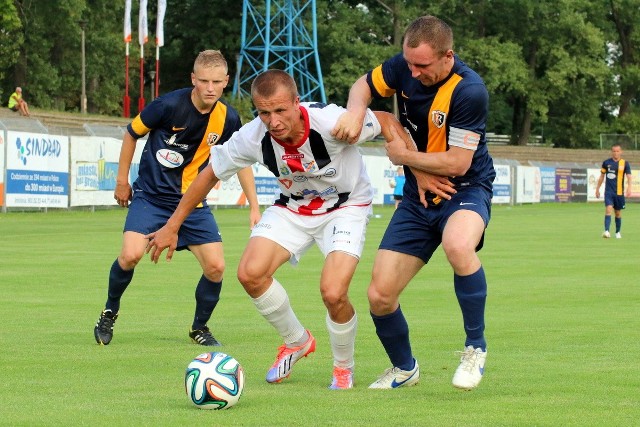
point(562, 327)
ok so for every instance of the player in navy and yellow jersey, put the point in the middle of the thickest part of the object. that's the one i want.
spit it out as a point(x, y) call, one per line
point(614, 170)
point(181, 127)
point(443, 106)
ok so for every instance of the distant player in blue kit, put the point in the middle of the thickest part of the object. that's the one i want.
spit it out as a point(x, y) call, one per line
point(325, 200)
point(614, 170)
point(182, 126)
point(397, 183)
point(443, 107)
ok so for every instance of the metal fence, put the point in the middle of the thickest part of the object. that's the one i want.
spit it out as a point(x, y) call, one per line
point(626, 141)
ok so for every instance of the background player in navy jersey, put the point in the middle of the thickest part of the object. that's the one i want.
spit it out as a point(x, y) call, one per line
point(614, 169)
point(182, 126)
point(325, 199)
point(443, 106)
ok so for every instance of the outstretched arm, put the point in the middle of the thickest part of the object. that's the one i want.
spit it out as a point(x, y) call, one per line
point(248, 183)
point(167, 236)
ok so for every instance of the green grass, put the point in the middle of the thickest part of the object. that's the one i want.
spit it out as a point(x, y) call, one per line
point(562, 326)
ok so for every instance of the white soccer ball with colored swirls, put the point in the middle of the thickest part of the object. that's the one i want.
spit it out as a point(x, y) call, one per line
point(214, 381)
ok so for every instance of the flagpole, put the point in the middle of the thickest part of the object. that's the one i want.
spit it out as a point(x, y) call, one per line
point(162, 7)
point(141, 97)
point(142, 38)
point(157, 92)
point(126, 101)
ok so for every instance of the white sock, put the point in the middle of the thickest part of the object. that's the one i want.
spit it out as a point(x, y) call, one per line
point(343, 341)
point(274, 306)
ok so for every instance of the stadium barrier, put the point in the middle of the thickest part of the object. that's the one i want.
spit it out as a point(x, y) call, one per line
point(40, 170)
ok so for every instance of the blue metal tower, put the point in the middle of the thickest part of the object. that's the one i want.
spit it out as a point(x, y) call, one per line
point(275, 35)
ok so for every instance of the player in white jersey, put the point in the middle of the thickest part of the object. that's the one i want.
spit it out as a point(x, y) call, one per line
point(326, 199)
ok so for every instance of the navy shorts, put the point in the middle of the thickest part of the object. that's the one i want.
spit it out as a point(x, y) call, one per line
point(416, 230)
point(145, 217)
point(614, 200)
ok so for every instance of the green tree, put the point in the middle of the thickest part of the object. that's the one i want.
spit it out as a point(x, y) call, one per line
point(11, 41)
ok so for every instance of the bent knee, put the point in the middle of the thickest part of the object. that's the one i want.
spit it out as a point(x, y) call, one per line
point(381, 300)
point(214, 270)
point(128, 259)
point(334, 297)
point(254, 281)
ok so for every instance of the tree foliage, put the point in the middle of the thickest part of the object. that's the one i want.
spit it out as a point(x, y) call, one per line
point(566, 70)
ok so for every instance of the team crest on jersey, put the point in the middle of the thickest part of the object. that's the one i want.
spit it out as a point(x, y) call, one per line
point(438, 118)
point(284, 171)
point(212, 138)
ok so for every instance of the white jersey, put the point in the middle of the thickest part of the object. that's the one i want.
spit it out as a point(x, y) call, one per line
point(317, 175)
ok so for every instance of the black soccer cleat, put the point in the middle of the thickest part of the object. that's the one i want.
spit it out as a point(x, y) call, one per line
point(103, 331)
point(203, 337)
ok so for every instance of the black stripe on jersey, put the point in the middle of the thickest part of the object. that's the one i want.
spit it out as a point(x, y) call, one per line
point(269, 155)
point(342, 197)
point(282, 200)
point(319, 149)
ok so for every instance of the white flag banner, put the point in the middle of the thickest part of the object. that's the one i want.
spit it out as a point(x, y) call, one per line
point(143, 30)
point(127, 21)
point(162, 7)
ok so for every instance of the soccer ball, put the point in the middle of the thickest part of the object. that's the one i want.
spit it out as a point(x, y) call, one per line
point(214, 381)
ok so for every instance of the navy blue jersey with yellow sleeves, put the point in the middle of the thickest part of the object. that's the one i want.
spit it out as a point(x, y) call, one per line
point(615, 174)
point(179, 142)
point(460, 101)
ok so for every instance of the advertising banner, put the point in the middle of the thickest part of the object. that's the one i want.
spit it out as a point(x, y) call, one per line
point(548, 184)
point(37, 170)
point(502, 184)
point(94, 168)
point(578, 185)
point(527, 184)
point(563, 185)
point(2, 148)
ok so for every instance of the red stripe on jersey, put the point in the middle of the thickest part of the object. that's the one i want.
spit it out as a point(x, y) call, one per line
point(291, 154)
point(312, 206)
point(293, 158)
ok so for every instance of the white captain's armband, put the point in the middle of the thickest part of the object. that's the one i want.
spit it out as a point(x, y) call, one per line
point(464, 139)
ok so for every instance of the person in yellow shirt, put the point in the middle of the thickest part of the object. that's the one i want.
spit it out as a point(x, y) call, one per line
point(16, 103)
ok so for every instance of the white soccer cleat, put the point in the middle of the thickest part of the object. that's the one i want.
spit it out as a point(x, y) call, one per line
point(471, 368)
point(396, 377)
point(618, 235)
point(606, 234)
point(287, 357)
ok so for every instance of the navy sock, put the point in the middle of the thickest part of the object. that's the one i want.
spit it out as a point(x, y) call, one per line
point(393, 332)
point(471, 292)
point(119, 279)
point(618, 224)
point(607, 222)
point(207, 297)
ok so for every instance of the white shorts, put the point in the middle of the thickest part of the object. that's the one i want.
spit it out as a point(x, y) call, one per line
point(340, 230)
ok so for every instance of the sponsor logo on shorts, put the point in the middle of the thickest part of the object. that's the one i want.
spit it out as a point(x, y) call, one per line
point(336, 231)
